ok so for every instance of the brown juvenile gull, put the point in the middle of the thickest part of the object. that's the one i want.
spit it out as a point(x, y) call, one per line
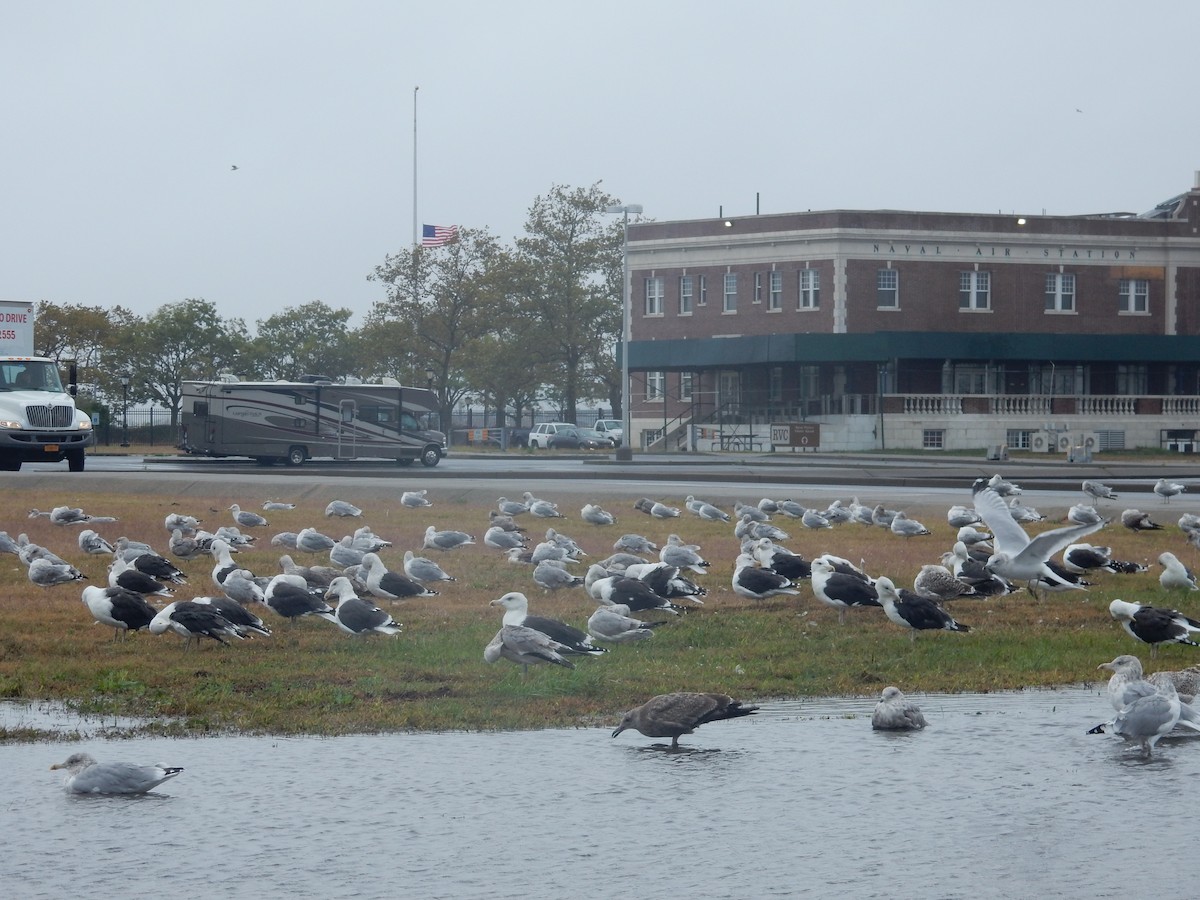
point(895, 712)
point(86, 776)
point(672, 715)
point(939, 583)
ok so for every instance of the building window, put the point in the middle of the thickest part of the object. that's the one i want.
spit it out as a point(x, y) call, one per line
point(758, 287)
point(1018, 439)
point(970, 379)
point(1135, 295)
point(975, 290)
point(1132, 380)
point(1060, 292)
point(730, 292)
point(685, 386)
point(775, 384)
point(703, 290)
point(656, 383)
point(933, 439)
point(685, 295)
point(810, 289)
point(776, 302)
point(654, 296)
point(887, 289)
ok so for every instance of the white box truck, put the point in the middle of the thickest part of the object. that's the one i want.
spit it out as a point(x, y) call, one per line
point(38, 419)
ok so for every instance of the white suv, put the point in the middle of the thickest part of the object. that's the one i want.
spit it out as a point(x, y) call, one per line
point(539, 437)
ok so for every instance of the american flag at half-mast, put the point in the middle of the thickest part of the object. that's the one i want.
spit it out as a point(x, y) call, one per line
point(437, 235)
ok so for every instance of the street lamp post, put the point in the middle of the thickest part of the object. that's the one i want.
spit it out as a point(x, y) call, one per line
point(125, 409)
point(625, 451)
point(429, 373)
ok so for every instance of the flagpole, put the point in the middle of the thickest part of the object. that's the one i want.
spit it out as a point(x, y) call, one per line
point(416, 242)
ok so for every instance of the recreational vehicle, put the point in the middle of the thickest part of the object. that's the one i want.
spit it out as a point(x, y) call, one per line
point(291, 421)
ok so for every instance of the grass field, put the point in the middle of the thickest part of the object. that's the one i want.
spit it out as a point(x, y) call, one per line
point(309, 677)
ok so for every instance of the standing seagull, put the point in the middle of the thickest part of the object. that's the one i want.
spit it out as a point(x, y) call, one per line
point(1017, 557)
point(354, 615)
point(1175, 575)
point(1152, 625)
point(895, 712)
point(244, 518)
point(914, 612)
point(1148, 718)
point(123, 610)
point(574, 640)
point(673, 715)
point(1168, 489)
point(1098, 491)
point(86, 776)
point(839, 589)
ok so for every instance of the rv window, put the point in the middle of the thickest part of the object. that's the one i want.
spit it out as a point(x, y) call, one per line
point(200, 408)
point(408, 422)
point(379, 415)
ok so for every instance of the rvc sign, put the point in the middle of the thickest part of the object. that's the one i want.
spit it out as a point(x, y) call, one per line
point(805, 435)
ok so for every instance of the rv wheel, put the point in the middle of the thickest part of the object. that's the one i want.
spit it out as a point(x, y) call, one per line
point(430, 457)
point(296, 456)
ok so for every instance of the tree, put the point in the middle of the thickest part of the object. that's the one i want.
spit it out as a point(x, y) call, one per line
point(310, 339)
point(444, 301)
point(178, 342)
point(85, 334)
point(566, 261)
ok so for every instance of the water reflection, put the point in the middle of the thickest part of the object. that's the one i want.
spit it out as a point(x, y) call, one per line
point(1003, 795)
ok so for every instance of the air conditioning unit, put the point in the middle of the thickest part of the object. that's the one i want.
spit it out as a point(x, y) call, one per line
point(1042, 441)
point(1065, 441)
point(1089, 441)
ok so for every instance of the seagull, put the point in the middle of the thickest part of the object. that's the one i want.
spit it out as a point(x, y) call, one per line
point(187, 523)
point(615, 624)
point(342, 509)
point(159, 567)
point(674, 715)
point(634, 543)
point(247, 519)
point(656, 510)
point(667, 581)
point(544, 509)
point(123, 610)
point(1083, 558)
point(309, 540)
point(683, 556)
point(810, 518)
point(1153, 625)
point(706, 510)
point(414, 499)
point(270, 505)
point(573, 640)
point(961, 516)
point(905, 527)
point(1136, 520)
point(525, 646)
point(1002, 487)
point(511, 507)
point(757, 583)
point(1128, 683)
point(344, 554)
point(895, 712)
point(500, 539)
point(91, 542)
point(368, 541)
point(631, 593)
point(445, 540)
point(192, 621)
point(390, 585)
point(236, 613)
point(86, 776)
point(421, 568)
point(46, 573)
point(1175, 575)
point(913, 611)
point(290, 597)
point(354, 615)
point(1168, 489)
point(1017, 557)
point(500, 520)
point(1098, 491)
point(1082, 514)
point(971, 536)
point(1148, 718)
point(839, 589)
point(552, 577)
point(781, 560)
point(241, 585)
point(595, 515)
point(126, 575)
point(940, 584)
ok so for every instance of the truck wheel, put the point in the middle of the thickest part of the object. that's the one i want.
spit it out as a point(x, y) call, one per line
point(296, 456)
point(76, 460)
point(430, 457)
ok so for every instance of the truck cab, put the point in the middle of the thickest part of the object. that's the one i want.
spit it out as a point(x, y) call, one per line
point(38, 419)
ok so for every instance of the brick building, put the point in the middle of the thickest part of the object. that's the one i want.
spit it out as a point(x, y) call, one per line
point(897, 329)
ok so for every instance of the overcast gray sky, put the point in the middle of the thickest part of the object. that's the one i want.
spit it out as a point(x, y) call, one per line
point(122, 120)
